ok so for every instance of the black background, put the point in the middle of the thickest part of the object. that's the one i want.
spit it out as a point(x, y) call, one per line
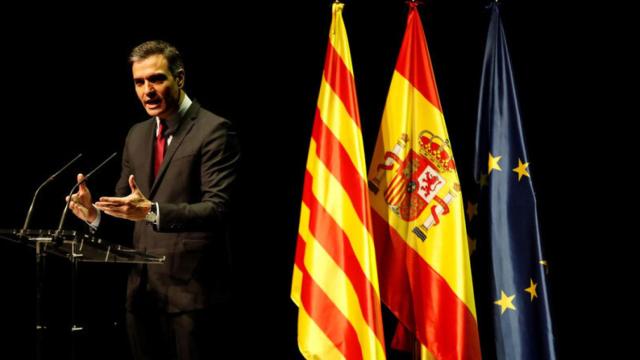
point(68, 90)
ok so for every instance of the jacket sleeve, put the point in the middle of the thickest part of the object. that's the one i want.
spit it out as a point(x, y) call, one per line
point(122, 187)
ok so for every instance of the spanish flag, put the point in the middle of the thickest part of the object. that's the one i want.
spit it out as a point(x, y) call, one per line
point(417, 211)
point(335, 284)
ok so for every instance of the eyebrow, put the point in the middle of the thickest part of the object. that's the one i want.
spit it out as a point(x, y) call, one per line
point(159, 76)
point(152, 77)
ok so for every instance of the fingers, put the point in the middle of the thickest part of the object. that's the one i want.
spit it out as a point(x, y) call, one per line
point(114, 206)
point(75, 199)
point(80, 202)
point(132, 183)
point(77, 207)
point(83, 185)
point(80, 211)
point(76, 210)
point(132, 207)
point(112, 201)
point(107, 208)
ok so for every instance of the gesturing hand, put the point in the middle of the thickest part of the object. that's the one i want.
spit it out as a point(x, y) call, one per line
point(80, 202)
point(134, 206)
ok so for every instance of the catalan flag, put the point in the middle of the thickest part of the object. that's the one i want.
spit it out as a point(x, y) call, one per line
point(335, 284)
point(511, 268)
point(417, 211)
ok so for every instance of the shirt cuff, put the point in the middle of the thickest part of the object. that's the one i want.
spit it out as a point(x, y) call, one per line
point(94, 225)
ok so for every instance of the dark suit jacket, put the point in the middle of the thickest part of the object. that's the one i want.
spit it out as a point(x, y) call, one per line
point(192, 189)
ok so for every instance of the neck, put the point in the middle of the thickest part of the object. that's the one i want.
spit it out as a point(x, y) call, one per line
point(184, 103)
point(176, 111)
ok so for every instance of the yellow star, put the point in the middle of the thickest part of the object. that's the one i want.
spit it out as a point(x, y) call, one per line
point(532, 289)
point(521, 169)
point(484, 180)
point(505, 302)
point(472, 209)
point(493, 163)
point(472, 244)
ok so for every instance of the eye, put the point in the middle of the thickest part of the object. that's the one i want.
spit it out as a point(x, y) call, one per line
point(157, 78)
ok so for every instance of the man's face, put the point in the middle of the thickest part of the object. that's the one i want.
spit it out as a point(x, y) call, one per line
point(156, 87)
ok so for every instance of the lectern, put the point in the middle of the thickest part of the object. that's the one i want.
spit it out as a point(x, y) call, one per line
point(76, 247)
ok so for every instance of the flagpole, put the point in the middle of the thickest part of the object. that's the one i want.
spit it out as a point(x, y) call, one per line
point(415, 352)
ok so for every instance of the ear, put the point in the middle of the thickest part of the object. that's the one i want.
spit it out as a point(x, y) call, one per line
point(180, 78)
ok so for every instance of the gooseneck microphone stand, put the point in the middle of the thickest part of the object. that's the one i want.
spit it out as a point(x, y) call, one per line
point(73, 246)
point(40, 262)
point(75, 328)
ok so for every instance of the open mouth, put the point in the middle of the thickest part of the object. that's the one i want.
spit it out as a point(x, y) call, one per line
point(153, 103)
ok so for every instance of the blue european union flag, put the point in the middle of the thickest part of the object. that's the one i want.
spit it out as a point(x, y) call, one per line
point(511, 286)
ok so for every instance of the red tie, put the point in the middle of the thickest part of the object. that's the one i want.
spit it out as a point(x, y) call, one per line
point(161, 142)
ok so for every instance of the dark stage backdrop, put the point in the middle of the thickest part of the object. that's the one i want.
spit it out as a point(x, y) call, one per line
point(68, 90)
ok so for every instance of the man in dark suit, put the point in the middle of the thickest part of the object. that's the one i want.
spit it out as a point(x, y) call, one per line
point(178, 168)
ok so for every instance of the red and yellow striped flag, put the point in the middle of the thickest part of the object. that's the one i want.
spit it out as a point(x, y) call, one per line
point(335, 283)
point(417, 211)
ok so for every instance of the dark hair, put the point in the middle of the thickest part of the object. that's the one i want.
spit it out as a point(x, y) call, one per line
point(158, 47)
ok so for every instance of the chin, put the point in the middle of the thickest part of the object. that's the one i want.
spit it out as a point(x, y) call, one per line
point(154, 112)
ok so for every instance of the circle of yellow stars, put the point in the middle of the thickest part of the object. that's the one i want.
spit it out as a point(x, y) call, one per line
point(505, 302)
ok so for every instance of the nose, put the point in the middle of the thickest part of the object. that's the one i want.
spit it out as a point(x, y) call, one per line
point(149, 90)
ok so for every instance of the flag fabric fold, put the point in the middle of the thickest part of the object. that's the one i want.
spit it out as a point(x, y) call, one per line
point(509, 260)
point(335, 280)
point(417, 211)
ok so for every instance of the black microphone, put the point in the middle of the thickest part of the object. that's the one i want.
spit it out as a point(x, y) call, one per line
point(33, 201)
point(66, 207)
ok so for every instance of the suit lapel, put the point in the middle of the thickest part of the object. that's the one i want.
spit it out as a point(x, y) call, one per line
point(178, 137)
point(145, 176)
